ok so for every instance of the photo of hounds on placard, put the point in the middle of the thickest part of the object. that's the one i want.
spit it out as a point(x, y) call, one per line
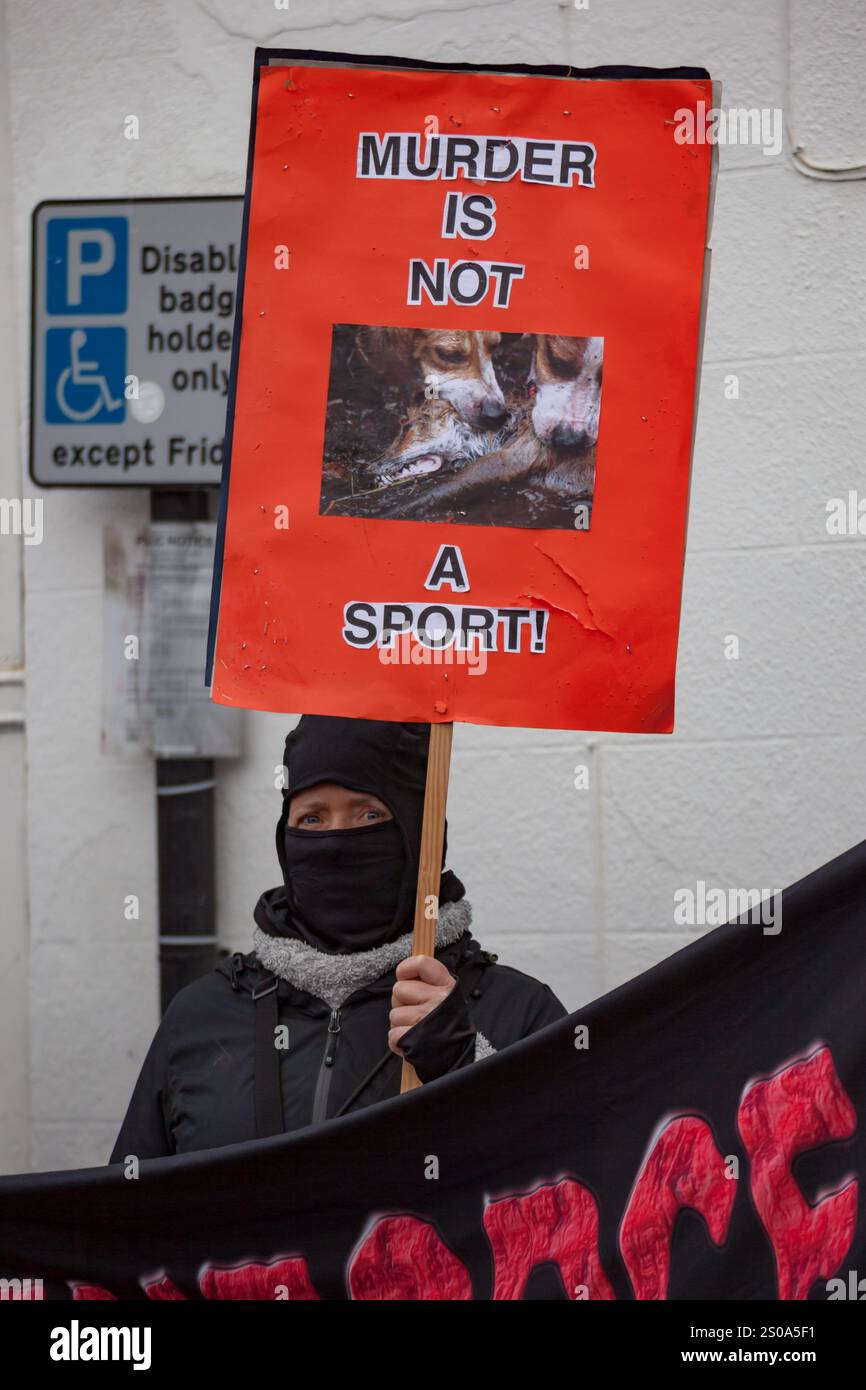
point(479, 427)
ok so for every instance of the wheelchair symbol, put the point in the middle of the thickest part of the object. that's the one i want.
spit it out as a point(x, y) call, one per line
point(85, 375)
point(78, 371)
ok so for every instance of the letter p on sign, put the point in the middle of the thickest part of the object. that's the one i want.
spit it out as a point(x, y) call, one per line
point(87, 265)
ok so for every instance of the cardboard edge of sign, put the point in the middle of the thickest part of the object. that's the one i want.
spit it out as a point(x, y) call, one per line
point(275, 57)
point(702, 324)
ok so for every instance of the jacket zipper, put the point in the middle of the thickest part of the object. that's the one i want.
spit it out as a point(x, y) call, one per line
point(323, 1082)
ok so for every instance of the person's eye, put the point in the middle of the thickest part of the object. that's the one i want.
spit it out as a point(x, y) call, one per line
point(309, 819)
point(373, 814)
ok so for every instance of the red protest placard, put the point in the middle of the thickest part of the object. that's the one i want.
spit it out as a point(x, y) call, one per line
point(462, 405)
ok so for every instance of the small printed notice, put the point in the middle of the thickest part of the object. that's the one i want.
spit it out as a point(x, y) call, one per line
point(157, 595)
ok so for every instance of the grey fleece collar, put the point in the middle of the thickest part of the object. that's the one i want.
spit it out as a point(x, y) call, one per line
point(334, 978)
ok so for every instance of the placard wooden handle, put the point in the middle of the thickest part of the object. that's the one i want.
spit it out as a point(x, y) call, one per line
point(430, 858)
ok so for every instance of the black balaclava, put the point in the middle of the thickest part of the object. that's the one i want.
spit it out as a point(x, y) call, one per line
point(350, 890)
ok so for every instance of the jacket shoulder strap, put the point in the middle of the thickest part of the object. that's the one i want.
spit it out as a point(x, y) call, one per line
point(267, 1086)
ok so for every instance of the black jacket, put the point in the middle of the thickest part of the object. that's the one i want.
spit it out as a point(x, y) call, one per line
point(196, 1089)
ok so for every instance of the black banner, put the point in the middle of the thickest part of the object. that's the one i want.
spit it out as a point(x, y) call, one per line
point(696, 1134)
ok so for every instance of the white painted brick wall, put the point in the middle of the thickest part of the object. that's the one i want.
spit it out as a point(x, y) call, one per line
point(766, 775)
point(14, 946)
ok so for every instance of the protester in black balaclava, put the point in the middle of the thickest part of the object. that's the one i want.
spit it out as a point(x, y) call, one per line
point(332, 962)
point(350, 889)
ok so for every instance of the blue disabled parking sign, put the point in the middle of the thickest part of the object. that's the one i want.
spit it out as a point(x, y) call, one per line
point(132, 327)
point(85, 371)
point(86, 274)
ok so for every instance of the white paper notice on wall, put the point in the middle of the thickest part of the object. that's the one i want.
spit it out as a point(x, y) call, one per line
point(157, 583)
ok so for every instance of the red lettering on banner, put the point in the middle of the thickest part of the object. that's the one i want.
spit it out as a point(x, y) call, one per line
point(286, 1279)
point(555, 1224)
point(403, 1257)
point(164, 1290)
point(683, 1169)
point(800, 1108)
